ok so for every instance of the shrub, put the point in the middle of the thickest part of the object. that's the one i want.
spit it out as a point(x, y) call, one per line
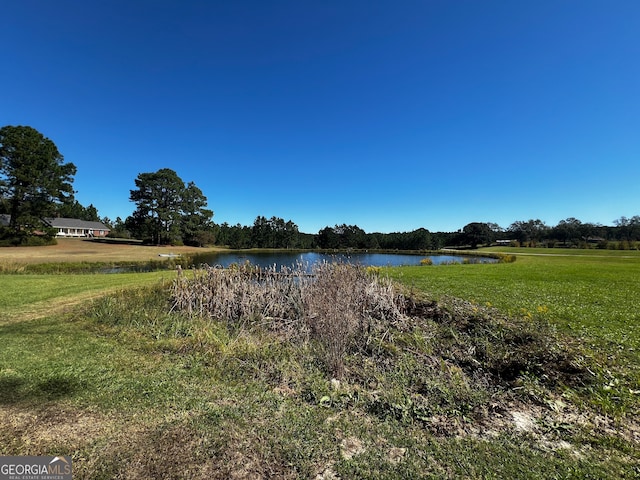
point(11, 238)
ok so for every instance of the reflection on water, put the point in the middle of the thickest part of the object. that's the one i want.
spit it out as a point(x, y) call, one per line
point(291, 260)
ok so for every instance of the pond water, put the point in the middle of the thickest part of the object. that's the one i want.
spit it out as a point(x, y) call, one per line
point(291, 260)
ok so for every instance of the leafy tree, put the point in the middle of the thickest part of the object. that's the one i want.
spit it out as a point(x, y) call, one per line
point(419, 239)
point(261, 233)
point(167, 210)
point(568, 231)
point(344, 236)
point(628, 228)
point(117, 227)
point(34, 180)
point(530, 231)
point(353, 236)
point(328, 238)
point(477, 233)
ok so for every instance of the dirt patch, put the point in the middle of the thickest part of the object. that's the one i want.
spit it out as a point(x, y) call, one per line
point(80, 250)
point(37, 430)
point(106, 446)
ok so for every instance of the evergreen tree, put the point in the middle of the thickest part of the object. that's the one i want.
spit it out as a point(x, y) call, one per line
point(167, 209)
point(34, 180)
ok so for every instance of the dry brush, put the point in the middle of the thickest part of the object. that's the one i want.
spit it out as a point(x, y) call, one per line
point(335, 306)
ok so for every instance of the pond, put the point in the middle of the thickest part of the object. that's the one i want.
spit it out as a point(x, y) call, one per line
point(292, 259)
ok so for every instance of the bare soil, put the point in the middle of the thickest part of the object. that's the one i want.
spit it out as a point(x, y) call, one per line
point(83, 250)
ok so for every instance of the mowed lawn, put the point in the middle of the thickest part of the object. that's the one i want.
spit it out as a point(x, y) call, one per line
point(24, 296)
point(596, 293)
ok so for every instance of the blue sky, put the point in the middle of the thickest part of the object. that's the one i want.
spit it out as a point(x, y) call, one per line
point(390, 115)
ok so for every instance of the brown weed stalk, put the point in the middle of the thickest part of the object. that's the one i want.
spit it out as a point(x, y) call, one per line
point(335, 305)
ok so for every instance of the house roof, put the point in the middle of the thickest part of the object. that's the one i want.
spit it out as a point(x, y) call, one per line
point(5, 220)
point(75, 223)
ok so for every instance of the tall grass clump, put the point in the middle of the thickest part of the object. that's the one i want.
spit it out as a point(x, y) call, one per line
point(240, 295)
point(344, 305)
point(335, 306)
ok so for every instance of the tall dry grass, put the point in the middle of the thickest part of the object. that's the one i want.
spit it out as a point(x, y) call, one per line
point(335, 306)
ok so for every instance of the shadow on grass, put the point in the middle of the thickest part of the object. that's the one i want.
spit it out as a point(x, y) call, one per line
point(14, 389)
point(24, 380)
point(114, 241)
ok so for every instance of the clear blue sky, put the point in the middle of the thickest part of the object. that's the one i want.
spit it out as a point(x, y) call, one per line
point(391, 115)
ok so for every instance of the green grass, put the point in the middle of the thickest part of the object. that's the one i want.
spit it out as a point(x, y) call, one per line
point(122, 384)
point(592, 297)
point(36, 294)
point(573, 252)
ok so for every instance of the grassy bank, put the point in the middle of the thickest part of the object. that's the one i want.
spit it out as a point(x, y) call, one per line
point(459, 389)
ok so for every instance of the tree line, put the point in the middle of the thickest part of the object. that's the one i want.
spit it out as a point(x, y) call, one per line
point(275, 232)
point(571, 232)
point(36, 183)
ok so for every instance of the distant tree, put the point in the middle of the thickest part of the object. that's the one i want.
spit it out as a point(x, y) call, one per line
point(34, 180)
point(233, 236)
point(195, 223)
point(274, 233)
point(261, 233)
point(290, 235)
point(117, 227)
point(221, 231)
point(568, 231)
point(306, 240)
point(239, 236)
point(75, 210)
point(477, 233)
point(345, 236)
point(167, 209)
point(496, 230)
point(352, 236)
point(628, 228)
point(419, 239)
point(328, 238)
point(531, 231)
point(442, 239)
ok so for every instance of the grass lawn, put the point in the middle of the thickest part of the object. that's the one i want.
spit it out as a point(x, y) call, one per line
point(29, 296)
point(122, 384)
point(592, 292)
point(591, 295)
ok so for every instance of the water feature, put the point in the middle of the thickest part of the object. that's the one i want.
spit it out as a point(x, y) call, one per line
point(292, 259)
